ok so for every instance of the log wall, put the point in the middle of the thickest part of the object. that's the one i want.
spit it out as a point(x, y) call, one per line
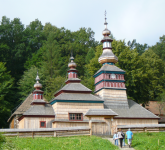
point(98, 128)
point(107, 127)
point(34, 122)
point(62, 109)
point(112, 94)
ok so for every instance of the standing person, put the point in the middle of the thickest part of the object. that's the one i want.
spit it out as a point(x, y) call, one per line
point(115, 137)
point(123, 139)
point(120, 135)
point(129, 136)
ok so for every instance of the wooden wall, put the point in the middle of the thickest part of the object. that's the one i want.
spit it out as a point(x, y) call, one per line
point(21, 123)
point(12, 123)
point(112, 94)
point(105, 128)
point(34, 122)
point(101, 128)
point(62, 109)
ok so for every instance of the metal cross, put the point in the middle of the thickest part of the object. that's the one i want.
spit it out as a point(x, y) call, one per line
point(71, 53)
point(105, 15)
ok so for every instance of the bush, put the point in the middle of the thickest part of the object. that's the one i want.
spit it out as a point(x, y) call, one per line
point(2, 140)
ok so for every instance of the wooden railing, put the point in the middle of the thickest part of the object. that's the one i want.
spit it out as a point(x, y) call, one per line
point(47, 132)
point(143, 128)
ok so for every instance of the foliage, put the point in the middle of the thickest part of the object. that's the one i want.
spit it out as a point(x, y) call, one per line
point(149, 141)
point(139, 47)
point(6, 84)
point(159, 48)
point(27, 81)
point(67, 143)
point(2, 140)
point(52, 85)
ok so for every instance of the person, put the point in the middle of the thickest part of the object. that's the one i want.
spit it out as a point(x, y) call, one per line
point(129, 136)
point(115, 137)
point(123, 139)
point(120, 136)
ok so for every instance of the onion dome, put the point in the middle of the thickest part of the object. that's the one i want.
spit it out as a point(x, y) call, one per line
point(37, 85)
point(106, 32)
point(72, 64)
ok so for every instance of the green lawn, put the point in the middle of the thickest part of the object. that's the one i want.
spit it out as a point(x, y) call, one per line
point(61, 143)
point(149, 141)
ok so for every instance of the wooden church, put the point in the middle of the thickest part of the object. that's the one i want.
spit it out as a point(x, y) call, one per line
point(74, 105)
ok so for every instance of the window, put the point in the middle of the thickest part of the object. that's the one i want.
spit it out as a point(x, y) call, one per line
point(75, 117)
point(42, 124)
point(106, 44)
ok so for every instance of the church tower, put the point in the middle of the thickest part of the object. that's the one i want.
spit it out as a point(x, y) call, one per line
point(109, 80)
point(38, 93)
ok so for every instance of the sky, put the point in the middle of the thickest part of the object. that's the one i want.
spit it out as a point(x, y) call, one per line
point(143, 20)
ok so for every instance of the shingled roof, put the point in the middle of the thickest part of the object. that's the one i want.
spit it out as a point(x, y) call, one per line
point(134, 111)
point(153, 106)
point(109, 54)
point(77, 96)
point(100, 112)
point(75, 87)
point(23, 107)
point(107, 67)
point(40, 110)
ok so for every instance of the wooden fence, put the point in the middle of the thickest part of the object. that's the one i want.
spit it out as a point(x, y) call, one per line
point(46, 132)
point(143, 128)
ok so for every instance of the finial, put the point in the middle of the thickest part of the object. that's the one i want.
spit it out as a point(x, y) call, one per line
point(105, 20)
point(105, 15)
point(37, 84)
point(71, 53)
point(37, 78)
point(71, 56)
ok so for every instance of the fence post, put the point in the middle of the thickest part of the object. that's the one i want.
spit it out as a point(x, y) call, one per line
point(33, 135)
point(90, 125)
point(55, 134)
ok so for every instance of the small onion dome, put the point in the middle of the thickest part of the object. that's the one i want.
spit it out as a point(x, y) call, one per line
point(72, 64)
point(106, 32)
point(37, 85)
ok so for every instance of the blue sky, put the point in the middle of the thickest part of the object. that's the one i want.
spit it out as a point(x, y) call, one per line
point(142, 20)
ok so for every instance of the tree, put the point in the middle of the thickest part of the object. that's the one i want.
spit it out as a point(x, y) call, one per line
point(90, 55)
point(26, 83)
point(6, 83)
point(161, 102)
point(159, 48)
point(52, 85)
point(139, 47)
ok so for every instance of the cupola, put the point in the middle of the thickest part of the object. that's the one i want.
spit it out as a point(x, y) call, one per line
point(107, 56)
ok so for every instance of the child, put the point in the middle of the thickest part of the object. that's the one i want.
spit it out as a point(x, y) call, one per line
point(115, 137)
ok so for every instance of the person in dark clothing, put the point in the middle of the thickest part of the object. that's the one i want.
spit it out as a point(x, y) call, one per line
point(120, 136)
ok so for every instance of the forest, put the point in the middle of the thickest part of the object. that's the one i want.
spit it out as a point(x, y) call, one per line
point(47, 48)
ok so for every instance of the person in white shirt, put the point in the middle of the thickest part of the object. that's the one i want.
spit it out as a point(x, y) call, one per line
point(115, 137)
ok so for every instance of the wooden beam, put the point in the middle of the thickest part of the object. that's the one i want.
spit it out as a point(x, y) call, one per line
point(55, 134)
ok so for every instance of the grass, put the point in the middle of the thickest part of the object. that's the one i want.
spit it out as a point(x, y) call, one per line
point(58, 143)
point(149, 141)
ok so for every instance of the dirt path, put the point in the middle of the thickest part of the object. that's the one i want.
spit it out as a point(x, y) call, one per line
point(126, 147)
